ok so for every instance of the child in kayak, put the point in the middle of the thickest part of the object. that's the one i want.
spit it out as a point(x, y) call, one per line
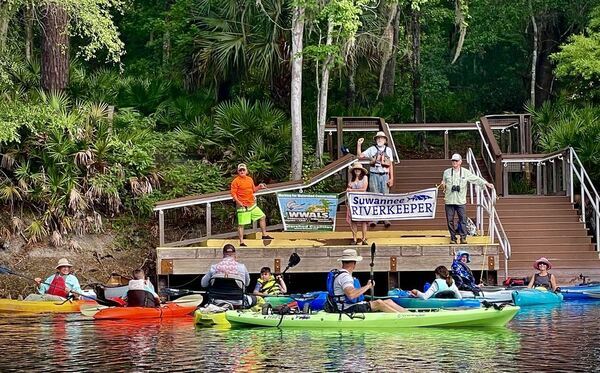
point(543, 278)
point(443, 283)
point(58, 286)
point(141, 292)
point(268, 284)
point(346, 294)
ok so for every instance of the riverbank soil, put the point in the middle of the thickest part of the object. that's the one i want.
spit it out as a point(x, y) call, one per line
point(123, 246)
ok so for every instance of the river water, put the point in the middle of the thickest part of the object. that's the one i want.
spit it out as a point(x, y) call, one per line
point(558, 338)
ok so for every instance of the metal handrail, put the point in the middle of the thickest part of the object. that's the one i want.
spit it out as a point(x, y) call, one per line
point(220, 197)
point(585, 190)
point(486, 201)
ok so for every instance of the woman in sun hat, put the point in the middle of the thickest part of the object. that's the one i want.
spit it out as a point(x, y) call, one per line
point(543, 279)
point(358, 183)
point(59, 285)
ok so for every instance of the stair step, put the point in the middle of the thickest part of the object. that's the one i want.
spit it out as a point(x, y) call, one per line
point(525, 233)
point(518, 241)
point(536, 212)
point(511, 225)
point(507, 220)
point(532, 256)
point(551, 247)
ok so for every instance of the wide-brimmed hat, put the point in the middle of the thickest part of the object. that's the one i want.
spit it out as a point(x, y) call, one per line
point(63, 262)
point(380, 134)
point(358, 166)
point(460, 253)
point(350, 255)
point(541, 260)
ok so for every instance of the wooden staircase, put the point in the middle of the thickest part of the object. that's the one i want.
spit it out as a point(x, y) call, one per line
point(547, 226)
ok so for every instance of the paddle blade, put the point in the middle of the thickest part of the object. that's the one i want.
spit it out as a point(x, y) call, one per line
point(373, 248)
point(189, 300)
point(5, 271)
point(91, 310)
point(294, 260)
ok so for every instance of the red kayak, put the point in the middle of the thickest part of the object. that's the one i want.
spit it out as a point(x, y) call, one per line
point(166, 311)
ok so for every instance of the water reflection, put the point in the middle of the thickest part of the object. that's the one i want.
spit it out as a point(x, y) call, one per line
point(565, 336)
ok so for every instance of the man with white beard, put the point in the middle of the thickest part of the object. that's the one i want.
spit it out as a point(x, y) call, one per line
point(381, 167)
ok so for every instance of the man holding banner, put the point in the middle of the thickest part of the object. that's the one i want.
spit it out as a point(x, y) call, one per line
point(381, 169)
point(454, 183)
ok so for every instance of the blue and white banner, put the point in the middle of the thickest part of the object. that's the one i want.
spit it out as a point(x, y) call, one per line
point(307, 212)
point(406, 206)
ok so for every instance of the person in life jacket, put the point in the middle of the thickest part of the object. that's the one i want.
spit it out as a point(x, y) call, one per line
point(140, 292)
point(462, 273)
point(443, 283)
point(57, 286)
point(229, 267)
point(346, 294)
point(543, 278)
point(268, 284)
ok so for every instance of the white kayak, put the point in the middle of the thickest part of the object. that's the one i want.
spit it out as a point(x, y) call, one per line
point(491, 294)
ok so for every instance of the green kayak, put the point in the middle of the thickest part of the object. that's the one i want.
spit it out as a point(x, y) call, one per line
point(476, 317)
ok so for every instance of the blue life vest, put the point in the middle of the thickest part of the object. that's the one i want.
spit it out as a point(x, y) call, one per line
point(331, 276)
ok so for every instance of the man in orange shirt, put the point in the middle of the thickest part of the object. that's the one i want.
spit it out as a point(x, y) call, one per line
point(242, 191)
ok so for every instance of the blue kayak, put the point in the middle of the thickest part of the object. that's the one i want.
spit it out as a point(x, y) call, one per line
point(531, 297)
point(401, 298)
point(578, 292)
point(315, 299)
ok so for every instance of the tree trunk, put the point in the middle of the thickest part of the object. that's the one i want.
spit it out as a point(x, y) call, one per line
point(166, 49)
point(550, 39)
point(323, 90)
point(416, 66)
point(4, 20)
point(55, 48)
point(534, 56)
point(296, 92)
point(29, 30)
point(351, 86)
point(388, 78)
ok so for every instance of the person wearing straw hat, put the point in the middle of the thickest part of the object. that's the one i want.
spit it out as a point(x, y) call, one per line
point(543, 279)
point(381, 168)
point(57, 286)
point(358, 183)
point(345, 293)
point(454, 184)
point(242, 191)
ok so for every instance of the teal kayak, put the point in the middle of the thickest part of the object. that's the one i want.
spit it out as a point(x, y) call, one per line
point(531, 297)
point(315, 299)
point(476, 317)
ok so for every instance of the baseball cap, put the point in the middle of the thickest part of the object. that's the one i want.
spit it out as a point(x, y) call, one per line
point(228, 248)
point(456, 157)
point(242, 166)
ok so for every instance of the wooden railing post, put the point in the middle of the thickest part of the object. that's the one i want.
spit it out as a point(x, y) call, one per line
point(208, 219)
point(161, 227)
point(340, 135)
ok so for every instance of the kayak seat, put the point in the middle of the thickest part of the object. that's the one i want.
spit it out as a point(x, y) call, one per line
point(230, 290)
point(446, 294)
point(140, 298)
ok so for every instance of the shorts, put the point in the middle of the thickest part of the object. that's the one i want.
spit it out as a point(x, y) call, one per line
point(246, 215)
point(362, 307)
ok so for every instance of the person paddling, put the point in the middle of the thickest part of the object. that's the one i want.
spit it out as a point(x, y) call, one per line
point(543, 278)
point(346, 294)
point(140, 292)
point(58, 286)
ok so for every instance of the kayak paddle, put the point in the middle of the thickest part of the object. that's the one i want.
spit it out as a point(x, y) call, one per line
point(4, 270)
point(373, 248)
point(294, 260)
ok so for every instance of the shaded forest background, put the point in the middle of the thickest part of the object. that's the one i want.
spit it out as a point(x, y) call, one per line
point(107, 106)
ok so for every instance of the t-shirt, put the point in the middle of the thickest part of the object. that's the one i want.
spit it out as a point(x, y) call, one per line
point(343, 281)
point(373, 151)
point(242, 187)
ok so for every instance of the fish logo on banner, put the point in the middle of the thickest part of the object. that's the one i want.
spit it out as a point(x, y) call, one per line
point(374, 206)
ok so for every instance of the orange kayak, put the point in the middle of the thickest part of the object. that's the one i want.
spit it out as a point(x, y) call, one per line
point(166, 311)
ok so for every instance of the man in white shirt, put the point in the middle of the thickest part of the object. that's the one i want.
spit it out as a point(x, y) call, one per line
point(381, 170)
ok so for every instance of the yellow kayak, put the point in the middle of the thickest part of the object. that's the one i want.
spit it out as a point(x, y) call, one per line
point(21, 306)
point(211, 319)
